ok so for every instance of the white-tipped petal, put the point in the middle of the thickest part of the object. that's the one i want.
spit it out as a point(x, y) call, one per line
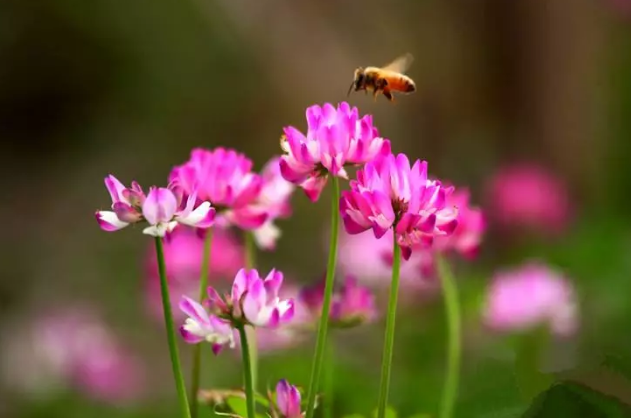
point(108, 221)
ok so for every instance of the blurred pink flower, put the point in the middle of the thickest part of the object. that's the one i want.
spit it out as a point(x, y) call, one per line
point(530, 296)
point(273, 200)
point(467, 236)
point(351, 305)
point(183, 251)
point(223, 177)
point(529, 196)
point(163, 208)
point(335, 137)
point(388, 193)
point(72, 347)
point(288, 400)
point(370, 260)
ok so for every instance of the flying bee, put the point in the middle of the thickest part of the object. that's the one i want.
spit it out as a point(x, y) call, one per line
point(385, 80)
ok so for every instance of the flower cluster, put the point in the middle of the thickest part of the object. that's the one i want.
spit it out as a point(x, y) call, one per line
point(335, 137)
point(252, 301)
point(410, 214)
point(163, 208)
point(389, 193)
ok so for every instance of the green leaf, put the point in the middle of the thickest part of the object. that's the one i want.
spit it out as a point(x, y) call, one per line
point(570, 400)
point(390, 413)
point(530, 380)
point(237, 405)
point(421, 416)
point(354, 416)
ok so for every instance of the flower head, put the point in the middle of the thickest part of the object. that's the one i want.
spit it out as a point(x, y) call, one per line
point(388, 193)
point(258, 299)
point(530, 296)
point(335, 137)
point(529, 196)
point(288, 400)
point(200, 326)
point(273, 200)
point(225, 178)
point(163, 208)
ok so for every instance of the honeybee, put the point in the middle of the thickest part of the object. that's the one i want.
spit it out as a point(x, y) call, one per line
point(385, 80)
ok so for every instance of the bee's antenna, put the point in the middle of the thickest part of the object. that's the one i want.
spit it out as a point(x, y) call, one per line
point(350, 88)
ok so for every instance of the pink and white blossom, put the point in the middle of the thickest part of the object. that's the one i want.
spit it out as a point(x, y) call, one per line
point(163, 208)
point(530, 296)
point(225, 178)
point(389, 193)
point(335, 137)
point(258, 298)
point(288, 400)
point(201, 326)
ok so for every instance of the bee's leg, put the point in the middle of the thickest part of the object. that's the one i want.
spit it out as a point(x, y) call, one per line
point(388, 95)
point(374, 95)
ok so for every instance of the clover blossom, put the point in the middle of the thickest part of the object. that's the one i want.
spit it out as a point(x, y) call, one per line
point(163, 208)
point(225, 178)
point(335, 137)
point(288, 400)
point(388, 193)
point(252, 301)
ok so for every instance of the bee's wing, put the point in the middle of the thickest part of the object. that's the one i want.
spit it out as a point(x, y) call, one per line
point(400, 64)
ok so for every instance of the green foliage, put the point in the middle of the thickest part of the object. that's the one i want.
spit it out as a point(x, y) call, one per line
point(529, 379)
point(569, 400)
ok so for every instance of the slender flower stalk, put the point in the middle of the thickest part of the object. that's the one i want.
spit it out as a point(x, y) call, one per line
point(247, 371)
point(452, 309)
point(250, 263)
point(168, 320)
point(197, 353)
point(323, 325)
point(388, 345)
point(329, 374)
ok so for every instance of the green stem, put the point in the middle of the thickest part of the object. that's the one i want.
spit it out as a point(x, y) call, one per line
point(329, 374)
point(250, 263)
point(168, 320)
point(197, 348)
point(323, 324)
point(452, 309)
point(247, 371)
point(388, 345)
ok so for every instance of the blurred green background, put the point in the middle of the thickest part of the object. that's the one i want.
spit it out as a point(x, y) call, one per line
point(128, 88)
